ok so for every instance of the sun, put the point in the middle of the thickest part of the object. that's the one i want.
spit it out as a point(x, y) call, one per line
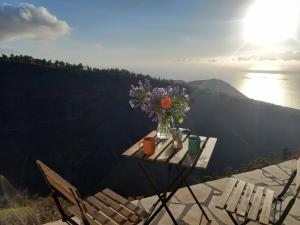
point(271, 21)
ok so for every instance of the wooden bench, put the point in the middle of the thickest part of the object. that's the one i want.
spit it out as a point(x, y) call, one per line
point(257, 203)
point(105, 207)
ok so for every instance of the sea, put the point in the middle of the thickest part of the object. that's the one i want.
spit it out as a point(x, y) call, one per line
point(273, 87)
point(276, 88)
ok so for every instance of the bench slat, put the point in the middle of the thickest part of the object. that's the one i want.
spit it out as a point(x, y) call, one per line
point(244, 204)
point(114, 205)
point(108, 211)
point(235, 196)
point(74, 210)
point(264, 217)
point(123, 201)
point(255, 203)
point(96, 215)
point(222, 201)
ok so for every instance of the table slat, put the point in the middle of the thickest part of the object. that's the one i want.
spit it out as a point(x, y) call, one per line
point(190, 159)
point(206, 153)
point(133, 149)
point(160, 148)
point(181, 153)
point(167, 154)
point(164, 152)
point(140, 153)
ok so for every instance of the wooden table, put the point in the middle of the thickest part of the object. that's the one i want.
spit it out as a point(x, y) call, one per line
point(181, 160)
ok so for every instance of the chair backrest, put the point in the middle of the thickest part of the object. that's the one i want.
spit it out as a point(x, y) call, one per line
point(58, 183)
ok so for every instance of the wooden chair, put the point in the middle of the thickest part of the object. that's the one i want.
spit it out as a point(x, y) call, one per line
point(105, 207)
point(256, 203)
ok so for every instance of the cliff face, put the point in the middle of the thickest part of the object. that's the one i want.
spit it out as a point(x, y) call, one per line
point(76, 121)
point(79, 122)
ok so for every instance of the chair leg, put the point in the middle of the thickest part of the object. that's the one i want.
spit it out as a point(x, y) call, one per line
point(71, 222)
point(232, 218)
point(59, 207)
point(286, 211)
point(235, 221)
point(287, 185)
point(246, 221)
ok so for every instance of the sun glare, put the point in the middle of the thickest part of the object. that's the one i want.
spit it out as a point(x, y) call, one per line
point(271, 21)
point(264, 87)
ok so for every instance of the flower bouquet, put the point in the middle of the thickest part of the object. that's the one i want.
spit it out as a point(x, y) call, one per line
point(162, 104)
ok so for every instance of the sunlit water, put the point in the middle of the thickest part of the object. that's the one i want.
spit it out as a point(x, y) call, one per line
point(279, 89)
point(276, 88)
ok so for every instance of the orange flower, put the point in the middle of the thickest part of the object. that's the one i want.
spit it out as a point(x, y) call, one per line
point(166, 102)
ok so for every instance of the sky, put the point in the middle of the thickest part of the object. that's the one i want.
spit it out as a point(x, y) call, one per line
point(170, 38)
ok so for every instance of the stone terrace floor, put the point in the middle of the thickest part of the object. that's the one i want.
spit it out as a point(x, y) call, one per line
point(186, 210)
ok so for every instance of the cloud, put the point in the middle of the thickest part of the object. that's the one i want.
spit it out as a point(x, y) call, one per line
point(8, 50)
point(195, 60)
point(25, 21)
point(282, 56)
point(188, 60)
point(98, 45)
point(287, 56)
point(270, 72)
point(213, 60)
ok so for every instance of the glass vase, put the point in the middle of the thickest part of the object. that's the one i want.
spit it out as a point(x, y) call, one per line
point(163, 127)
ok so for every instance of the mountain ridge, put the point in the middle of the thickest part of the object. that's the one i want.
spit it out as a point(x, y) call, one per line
point(216, 86)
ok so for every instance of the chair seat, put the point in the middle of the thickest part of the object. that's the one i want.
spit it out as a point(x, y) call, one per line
point(108, 207)
point(247, 200)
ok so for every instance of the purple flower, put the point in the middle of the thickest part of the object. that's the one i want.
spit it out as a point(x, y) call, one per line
point(149, 100)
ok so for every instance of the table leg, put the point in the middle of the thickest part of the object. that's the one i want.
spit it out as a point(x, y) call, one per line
point(161, 198)
point(169, 186)
point(193, 195)
point(172, 192)
point(168, 180)
point(183, 174)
